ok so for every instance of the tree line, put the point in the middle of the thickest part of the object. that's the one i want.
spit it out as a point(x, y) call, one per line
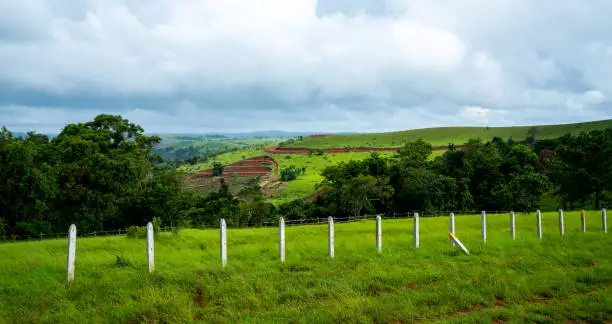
point(103, 175)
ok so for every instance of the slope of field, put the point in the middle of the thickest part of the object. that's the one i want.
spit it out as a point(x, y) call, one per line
point(442, 135)
point(236, 175)
point(306, 185)
point(184, 146)
point(554, 280)
point(225, 159)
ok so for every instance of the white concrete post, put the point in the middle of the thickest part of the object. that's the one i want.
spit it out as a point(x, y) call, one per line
point(71, 252)
point(583, 220)
point(223, 243)
point(416, 230)
point(604, 220)
point(512, 226)
point(561, 223)
point(539, 221)
point(484, 226)
point(452, 226)
point(281, 239)
point(458, 243)
point(150, 245)
point(330, 240)
point(378, 233)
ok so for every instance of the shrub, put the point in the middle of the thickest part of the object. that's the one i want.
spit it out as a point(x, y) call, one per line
point(291, 173)
point(136, 232)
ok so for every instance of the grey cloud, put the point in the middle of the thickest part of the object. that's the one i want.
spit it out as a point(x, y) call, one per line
point(330, 66)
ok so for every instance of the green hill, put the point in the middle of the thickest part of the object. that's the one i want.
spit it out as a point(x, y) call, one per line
point(444, 135)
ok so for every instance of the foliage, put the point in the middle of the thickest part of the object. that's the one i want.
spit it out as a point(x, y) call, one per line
point(494, 175)
point(217, 169)
point(291, 173)
point(580, 168)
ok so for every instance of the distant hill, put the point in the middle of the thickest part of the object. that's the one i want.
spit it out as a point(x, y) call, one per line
point(255, 134)
point(444, 135)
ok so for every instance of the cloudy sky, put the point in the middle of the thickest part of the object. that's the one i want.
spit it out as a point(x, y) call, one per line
point(304, 65)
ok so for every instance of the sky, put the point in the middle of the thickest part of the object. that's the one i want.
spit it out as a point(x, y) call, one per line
point(191, 66)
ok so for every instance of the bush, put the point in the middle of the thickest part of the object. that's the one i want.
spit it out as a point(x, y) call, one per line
point(291, 173)
point(141, 231)
point(136, 232)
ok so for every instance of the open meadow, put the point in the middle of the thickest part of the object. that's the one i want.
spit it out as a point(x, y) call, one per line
point(549, 280)
point(440, 136)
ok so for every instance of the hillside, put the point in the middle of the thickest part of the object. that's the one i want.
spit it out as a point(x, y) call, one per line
point(444, 135)
point(183, 147)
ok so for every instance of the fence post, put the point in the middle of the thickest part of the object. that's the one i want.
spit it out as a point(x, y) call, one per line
point(539, 221)
point(583, 220)
point(150, 245)
point(330, 241)
point(512, 225)
point(71, 252)
point(281, 239)
point(484, 226)
point(416, 230)
point(604, 220)
point(223, 245)
point(561, 223)
point(378, 233)
point(452, 226)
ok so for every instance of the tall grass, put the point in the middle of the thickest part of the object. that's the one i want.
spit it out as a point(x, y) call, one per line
point(555, 279)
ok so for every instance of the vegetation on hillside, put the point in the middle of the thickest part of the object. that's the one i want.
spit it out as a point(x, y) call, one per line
point(102, 175)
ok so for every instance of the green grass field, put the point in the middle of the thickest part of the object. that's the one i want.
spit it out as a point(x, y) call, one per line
point(444, 135)
point(225, 158)
point(305, 185)
point(550, 281)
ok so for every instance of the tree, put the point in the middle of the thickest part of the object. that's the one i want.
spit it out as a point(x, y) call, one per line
point(415, 154)
point(217, 169)
point(104, 163)
point(581, 168)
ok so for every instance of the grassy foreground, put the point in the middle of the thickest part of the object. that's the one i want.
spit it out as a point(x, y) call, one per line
point(556, 279)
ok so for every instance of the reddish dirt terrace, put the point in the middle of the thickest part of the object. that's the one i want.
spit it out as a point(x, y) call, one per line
point(235, 174)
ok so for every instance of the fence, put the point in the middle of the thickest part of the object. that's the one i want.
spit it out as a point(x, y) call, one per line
point(72, 234)
point(294, 222)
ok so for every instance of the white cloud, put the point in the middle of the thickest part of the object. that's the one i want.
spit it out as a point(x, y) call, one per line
point(278, 61)
point(475, 114)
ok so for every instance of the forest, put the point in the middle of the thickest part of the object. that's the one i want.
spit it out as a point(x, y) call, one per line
point(104, 175)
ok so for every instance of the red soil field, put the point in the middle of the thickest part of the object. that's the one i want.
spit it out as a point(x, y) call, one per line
point(259, 166)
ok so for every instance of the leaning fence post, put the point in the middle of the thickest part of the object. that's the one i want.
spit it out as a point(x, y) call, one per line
point(378, 233)
point(150, 246)
point(539, 221)
point(452, 226)
point(604, 220)
point(484, 226)
point(561, 223)
point(330, 241)
point(512, 226)
point(281, 239)
point(71, 252)
point(223, 238)
point(416, 230)
point(583, 220)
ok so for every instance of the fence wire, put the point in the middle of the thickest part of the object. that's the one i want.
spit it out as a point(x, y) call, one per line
point(288, 222)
